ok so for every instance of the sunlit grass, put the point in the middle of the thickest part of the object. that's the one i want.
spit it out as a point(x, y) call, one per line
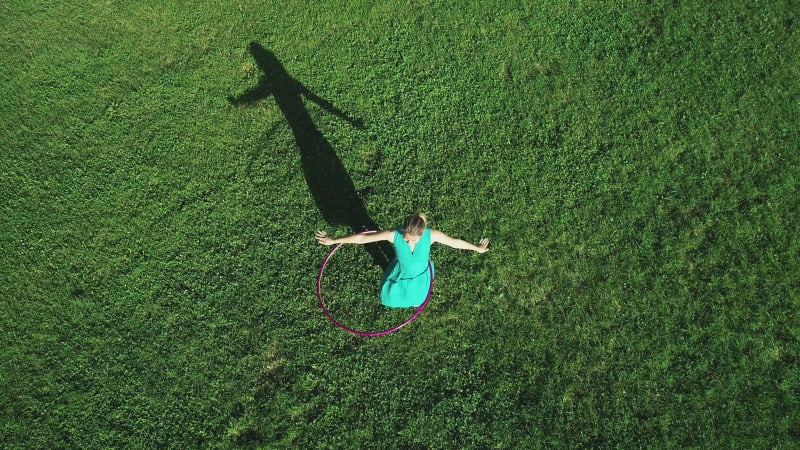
point(634, 166)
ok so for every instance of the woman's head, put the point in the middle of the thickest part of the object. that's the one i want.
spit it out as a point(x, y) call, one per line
point(415, 225)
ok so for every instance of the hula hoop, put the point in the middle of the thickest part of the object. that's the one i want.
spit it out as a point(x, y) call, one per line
point(367, 333)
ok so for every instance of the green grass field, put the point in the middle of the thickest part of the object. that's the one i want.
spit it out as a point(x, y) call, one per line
point(635, 166)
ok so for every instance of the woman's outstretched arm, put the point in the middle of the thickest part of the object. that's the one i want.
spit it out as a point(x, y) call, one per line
point(366, 238)
point(438, 236)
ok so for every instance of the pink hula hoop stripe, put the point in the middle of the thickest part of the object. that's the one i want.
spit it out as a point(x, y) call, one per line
point(367, 333)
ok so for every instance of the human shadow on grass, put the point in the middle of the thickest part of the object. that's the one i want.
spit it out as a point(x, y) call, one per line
point(330, 185)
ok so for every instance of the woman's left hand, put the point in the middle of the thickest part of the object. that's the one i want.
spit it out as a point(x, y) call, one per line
point(483, 247)
point(323, 238)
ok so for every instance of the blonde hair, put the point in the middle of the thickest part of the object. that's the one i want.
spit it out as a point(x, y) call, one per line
point(415, 224)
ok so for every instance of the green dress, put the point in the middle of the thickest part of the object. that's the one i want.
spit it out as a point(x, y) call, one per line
point(407, 279)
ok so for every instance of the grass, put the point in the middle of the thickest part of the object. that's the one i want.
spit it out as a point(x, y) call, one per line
point(635, 167)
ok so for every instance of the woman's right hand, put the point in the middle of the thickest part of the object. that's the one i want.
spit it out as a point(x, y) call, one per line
point(323, 238)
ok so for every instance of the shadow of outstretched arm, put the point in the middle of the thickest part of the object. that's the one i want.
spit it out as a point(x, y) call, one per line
point(329, 107)
point(252, 95)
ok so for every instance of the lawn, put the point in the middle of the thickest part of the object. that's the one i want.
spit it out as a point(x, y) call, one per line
point(164, 166)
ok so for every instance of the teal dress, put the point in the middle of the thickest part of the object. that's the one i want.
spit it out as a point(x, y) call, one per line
point(407, 279)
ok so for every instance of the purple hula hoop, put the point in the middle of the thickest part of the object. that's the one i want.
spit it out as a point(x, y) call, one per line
point(367, 333)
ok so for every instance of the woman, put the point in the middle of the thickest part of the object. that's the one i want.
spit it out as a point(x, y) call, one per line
point(407, 279)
